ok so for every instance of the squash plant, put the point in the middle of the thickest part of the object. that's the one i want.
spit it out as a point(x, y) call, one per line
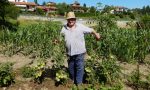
point(38, 69)
point(6, 74)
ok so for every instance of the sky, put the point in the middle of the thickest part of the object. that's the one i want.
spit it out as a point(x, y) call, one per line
point(126, 3)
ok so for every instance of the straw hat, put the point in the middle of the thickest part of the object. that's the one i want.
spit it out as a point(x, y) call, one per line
point(70, 15)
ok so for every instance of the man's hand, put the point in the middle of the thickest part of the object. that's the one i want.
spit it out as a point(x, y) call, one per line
point(97, 35)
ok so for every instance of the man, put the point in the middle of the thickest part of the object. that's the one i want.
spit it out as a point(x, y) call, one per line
point(75, 45)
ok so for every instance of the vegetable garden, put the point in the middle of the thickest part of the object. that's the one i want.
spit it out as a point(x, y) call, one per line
point(103, 69)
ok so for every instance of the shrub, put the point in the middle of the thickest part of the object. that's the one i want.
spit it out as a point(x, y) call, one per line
point(61, 74)
point(39, 11)
point(106, 71)
point(27, 72)
point(38, 70)
point(145, 22)
point(6, 74)
point(7, 11)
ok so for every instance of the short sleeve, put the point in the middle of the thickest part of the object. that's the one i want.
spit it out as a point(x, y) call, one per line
point(62, 32)
point(86, 29)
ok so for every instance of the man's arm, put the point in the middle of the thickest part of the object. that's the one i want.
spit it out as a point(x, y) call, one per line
point(97, 35)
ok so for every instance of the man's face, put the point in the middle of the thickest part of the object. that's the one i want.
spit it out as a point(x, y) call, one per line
point(71, 22)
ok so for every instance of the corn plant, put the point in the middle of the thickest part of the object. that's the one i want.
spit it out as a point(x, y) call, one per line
point(122, 42)
point(33, 38)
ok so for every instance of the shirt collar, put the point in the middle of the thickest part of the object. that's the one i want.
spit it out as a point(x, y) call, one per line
point(66, 27)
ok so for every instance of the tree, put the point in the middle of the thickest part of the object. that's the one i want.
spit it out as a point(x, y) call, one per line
point(7, 11)
point(85, 8)
point(92, 9)
point(39, 11)
point(36, 1)
point(44, 3)
point(62, 8)
point(99, 5)
point(147, 10)
point(107, 9)
point(3, 6)
point(84, 5)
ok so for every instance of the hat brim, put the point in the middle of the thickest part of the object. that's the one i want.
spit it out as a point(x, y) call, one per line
point(71, 18)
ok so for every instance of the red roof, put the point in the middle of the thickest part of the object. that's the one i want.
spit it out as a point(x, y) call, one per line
point(46, 8)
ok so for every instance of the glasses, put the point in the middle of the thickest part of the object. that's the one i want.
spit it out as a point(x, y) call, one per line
point(72, 19)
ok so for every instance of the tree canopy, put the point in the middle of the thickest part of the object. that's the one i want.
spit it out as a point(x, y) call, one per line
point(7, 11)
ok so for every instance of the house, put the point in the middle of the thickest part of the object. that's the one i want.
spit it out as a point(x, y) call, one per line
point(49, 7)
point(24, 5)
point(118, 9)
point(17, 0)
point(76, 7)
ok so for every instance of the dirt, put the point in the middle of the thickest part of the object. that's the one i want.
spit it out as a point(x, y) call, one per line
point(30, 85)
point(49, 84)
point(18, 60)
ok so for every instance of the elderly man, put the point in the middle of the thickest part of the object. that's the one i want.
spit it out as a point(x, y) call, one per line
point(75, 44)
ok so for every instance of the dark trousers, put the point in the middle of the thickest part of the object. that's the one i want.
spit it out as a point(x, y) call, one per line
point(76, 68)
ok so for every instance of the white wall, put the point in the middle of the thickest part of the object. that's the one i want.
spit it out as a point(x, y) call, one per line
point(11, 0)
point(18, 0)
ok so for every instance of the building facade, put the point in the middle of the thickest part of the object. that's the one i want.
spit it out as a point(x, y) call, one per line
point(76, 7)
point(118, 9)
point(24, 5)
point(17, 0)
point(49, 7)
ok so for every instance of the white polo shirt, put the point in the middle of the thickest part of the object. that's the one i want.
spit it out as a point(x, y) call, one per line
point(75, 42)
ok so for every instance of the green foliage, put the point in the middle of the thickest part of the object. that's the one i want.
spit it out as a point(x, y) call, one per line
point(145, 10)
point(39, 68)
point(44, 3)
point(120, 15)
point(39, 11)
point(37, 38)
point(90, 73)
point(27, 72)
point(92, 9)
point(126, 44)
point(117, 86)
point(80, 14)
point(132, 16)
point(61, 74)
point(106, 71)
point(145, 21)
point(36, 1)
point(84, 7)
point(105, 22)
point(135, 78)
point(91, 87)
point(62, 8)
point(35, 71)
point(7, 11)
point(107, 9)
point(136, 81)
point(6, 74)
point(42, 40)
